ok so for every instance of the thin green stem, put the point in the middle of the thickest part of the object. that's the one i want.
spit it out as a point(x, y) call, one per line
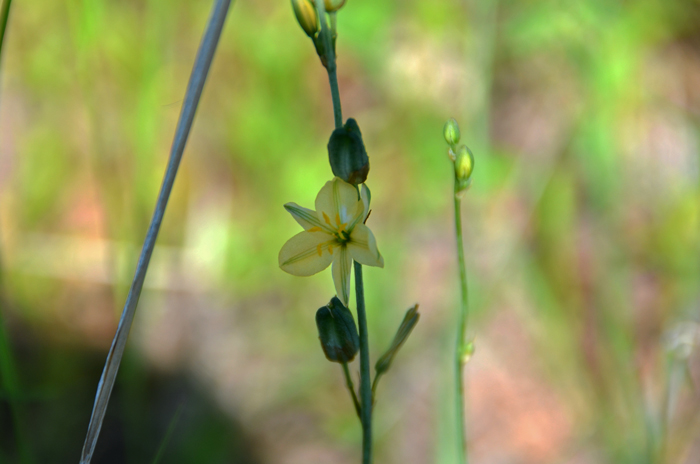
point(461, 333)
point(330, 65)
point(377, 376)
point(168, 433)
point(365, 387)
point(4, 14)
point(351, 388)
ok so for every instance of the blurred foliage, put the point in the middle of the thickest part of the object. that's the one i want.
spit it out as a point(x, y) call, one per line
point(583, 221)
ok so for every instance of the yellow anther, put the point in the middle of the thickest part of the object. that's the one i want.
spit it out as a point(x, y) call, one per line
point(315, 229)
point(341, 228)
point(319, 248)
point(326, 218)
point(337, 218)
point(330, 248)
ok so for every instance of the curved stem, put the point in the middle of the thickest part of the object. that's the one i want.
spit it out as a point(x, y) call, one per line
point(365, 388)
point(461, 334)
point(351, 388)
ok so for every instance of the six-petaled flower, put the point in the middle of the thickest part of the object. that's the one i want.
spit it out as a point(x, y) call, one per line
point(334, 233)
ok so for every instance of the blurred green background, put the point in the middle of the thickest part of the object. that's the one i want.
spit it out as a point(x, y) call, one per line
point(582, 223)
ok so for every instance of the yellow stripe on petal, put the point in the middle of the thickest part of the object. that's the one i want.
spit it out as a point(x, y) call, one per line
point(338, 198)
point(300, 255)
point(306, 218)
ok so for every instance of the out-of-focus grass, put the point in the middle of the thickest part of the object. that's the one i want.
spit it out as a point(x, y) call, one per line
point(582, 220)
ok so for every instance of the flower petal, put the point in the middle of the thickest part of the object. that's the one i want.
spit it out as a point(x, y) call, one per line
point(365, 196)
point(306, 217)
point(306, 253)
point(337, 202)
point(341, 274)
point(363, 247)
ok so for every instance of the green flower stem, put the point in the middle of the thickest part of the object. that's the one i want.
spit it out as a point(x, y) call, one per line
point(4, 14)
point(330, 65)
point(365, 388)
point(351, 388)
point(377, 376)
point(365, 385)
point(461, 333)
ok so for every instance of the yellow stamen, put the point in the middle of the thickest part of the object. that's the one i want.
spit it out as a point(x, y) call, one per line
point(330, 248)
point(341, 228)
point(326, 218)
point(319, 248)
point(337, 218)
point(315, 229)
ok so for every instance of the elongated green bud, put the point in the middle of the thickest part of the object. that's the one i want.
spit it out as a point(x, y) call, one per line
point(337, 332)
point(409, 322)
point(451, 132)
point(347, 154)
point(306, 16)
point(464, 165)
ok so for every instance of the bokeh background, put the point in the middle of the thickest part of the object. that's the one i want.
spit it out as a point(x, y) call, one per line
point(582, 223)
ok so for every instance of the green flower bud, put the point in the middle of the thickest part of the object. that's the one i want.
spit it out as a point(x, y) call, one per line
point(333, 5)
point(347, 154)
point(468, 352)
point(337, 332)
point(451, 132)
point(464, 165)
point(306, 16)
point(409, 322)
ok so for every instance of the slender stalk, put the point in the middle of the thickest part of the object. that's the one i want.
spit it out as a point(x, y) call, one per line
point(377, 376)
point(330, 65)
point(200, 70)
point(4, 14)
point(461, 333)
point(168, 433)
point(365, 387)
point(351, 388)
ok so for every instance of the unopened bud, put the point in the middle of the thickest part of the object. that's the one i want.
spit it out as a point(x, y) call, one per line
point(464, 165)
point(347, 154)
point(337, 332)
point(409, 322)
point(451, 131)
point(468, 352)
point(306, 16)
point(333, 5)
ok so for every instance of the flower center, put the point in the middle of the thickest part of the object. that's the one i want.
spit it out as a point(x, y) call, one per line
point(341, 233)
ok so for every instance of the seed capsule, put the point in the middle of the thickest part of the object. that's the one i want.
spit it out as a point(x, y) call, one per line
point(347, 154)
point(337, 332)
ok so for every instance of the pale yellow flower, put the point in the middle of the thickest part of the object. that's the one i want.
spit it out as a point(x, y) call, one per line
point(334, 233)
